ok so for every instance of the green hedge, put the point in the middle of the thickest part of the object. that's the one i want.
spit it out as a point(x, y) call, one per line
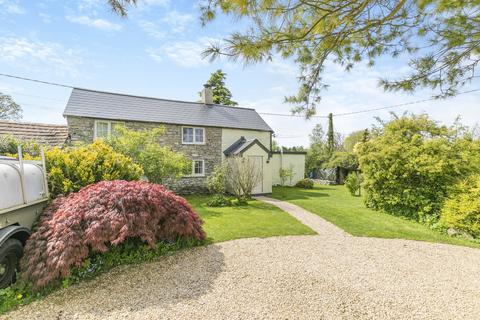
point(410, 164)
point(462, 209)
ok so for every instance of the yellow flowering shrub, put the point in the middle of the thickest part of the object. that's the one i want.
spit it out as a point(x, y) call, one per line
point(71, 169)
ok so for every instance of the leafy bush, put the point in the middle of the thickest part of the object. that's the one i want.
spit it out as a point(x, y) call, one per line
point(217, 181)
point(409, 164)
point(217, 184)
point(71, 169)
point(342, 159)
point(353, 183)
point(9, 146)
point(103, 214)
point(219, 200)
point(462, 209)
point(159, 163)
point(305, 184)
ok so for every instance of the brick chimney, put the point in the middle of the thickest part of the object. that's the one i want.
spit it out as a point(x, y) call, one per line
point(207, 95)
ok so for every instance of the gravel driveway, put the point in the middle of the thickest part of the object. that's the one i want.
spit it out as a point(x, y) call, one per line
point(328, 276)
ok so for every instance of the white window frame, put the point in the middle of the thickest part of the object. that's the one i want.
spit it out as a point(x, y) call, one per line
point(109, 129)
point(194, 135)
point(193, 168)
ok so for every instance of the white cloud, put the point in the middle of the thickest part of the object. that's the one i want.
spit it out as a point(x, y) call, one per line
point(33, 54)
point(88, 5)
point(46, 18)
point(183, 53)
point(282, 67)
point(152, 29)
point(11, 7)
point(160, 3)
point(155, 54)
point(177, 21)
point(98, 23)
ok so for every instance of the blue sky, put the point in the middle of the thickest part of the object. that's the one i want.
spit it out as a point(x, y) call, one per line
point(156, 52)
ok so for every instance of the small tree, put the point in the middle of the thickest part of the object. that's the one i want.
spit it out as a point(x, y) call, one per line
point(242, 177)
point(353, 184)
point(221, 94)
point(286, 174)
point(159, 163)
point(9, 110)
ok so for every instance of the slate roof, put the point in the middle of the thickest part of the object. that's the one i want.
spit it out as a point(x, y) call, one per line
point(50, 134)
point(116, 106)
point(242, 145)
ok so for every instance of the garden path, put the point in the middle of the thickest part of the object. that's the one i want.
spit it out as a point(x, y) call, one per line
point(316, 223)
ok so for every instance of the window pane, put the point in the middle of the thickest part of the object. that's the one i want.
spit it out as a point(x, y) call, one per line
point(199, 135)
point(198, 167)
point(187, 134)
point(102, 129)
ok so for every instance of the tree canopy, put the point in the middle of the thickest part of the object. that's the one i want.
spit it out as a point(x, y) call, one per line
point(440, 37)
point(352, 139)
point(9, 110)
point(221, 94)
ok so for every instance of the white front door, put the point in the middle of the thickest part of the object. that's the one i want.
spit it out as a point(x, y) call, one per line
point(258, 162)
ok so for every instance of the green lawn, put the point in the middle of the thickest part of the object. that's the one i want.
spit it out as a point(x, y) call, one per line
point(257, 219)
point(335, 204)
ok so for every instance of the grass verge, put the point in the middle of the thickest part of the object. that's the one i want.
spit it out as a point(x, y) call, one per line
point(335, 204)
point(257, 219)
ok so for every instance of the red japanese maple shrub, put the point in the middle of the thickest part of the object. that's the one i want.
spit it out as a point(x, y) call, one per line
point(104, 213)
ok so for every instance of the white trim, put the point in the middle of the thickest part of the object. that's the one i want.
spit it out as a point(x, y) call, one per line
point(194, 135)
point(193, 168)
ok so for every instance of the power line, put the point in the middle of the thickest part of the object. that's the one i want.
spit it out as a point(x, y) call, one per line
point(35, 80)
point(269, 113)
point(287, 115)
point(368, 110)
point(399, 105)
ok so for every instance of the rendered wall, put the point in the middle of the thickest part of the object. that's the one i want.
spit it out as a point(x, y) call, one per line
point(287, 161)
point(229, 136)
point(267, 171)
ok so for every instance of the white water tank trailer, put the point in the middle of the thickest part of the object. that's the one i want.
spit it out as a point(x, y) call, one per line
point(23, 195)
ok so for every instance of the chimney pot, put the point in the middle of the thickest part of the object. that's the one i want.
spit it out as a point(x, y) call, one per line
point(207, 94)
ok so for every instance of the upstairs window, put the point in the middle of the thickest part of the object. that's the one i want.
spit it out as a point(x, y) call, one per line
point(104, 129)
point(192, 135)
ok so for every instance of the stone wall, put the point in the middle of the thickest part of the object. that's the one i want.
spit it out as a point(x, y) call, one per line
point(82, 130)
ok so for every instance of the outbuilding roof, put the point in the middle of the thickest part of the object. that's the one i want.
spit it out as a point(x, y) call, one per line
point(242, 145)
point(50, 134)
point(116, 106)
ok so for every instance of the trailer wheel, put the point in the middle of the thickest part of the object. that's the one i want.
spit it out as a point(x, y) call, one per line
point(10, 253)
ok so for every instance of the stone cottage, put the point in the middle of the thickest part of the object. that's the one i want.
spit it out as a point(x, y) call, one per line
point(205, 132)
